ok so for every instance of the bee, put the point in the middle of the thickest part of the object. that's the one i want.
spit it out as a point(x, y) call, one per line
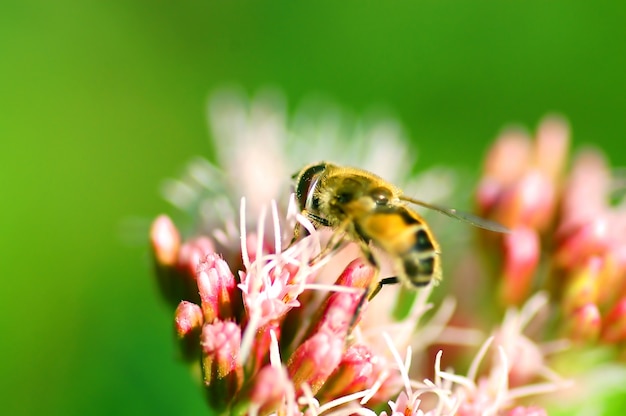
point(364, 208)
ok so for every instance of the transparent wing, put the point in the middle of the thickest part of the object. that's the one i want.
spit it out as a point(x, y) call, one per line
point(461, 215)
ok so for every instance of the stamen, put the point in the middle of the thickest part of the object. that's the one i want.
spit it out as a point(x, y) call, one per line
point(438, 367)
point(244, 238)
point(403, 371)
point(503, 386)
point(531, 308)
point(537, 388)
point(276, 222)
point(376, 386)
point(460, 336)
point(463, 381)
point(260, 237)
point(308, 399)
point(437, 323)
point(473, 369)
point(342, 400)
point(274, 350)
point(248, 334)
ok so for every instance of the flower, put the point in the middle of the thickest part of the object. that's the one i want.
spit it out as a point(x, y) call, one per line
point(277, 326)
point(519, 189)
point(488, 394)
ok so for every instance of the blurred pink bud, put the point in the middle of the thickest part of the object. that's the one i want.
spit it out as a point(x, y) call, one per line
point(270, 387)
point(509, 156)
point(216, 286)
point(530, 202)
point(584, 323)
point(221, 369)
point(506, 161)
point(552, 146)
point(337, 313)
point(165, 240)
point(519, 181)
point(261, 345)
point(527, 411)
point(589, 239)
point(584, 197)
point(614, 328)
point(521, 256)
point(192, 252)
point(315, 360)
point(188, 318)
point(356, 274)
point(357, 371)
point(488, 195)
point(188, 324)
point(581, 288)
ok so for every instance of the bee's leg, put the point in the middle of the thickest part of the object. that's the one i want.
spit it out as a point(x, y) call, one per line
point(298, 230)
point(383, 282)
point(373, 288)
point(335, 243)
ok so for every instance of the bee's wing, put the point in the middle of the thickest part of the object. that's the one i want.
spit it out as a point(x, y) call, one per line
point(461, 215)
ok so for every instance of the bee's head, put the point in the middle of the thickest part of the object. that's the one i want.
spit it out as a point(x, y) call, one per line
point(306, 181)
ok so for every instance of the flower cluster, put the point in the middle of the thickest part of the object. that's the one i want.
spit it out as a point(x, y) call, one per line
point(567, 233)
point(276, 326)
point(238, 330)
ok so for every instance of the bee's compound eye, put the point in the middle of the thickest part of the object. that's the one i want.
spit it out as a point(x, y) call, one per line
point(381, 196)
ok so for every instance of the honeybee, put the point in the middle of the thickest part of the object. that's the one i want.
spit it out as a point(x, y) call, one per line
point(362, 207)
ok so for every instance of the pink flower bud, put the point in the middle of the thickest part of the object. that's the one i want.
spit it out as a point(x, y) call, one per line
point(357, 371)
point(165, 241)
point(314, 360)
point(261, 345)
point(584, 197)
point(488, 195)
point(521, 256)
point(188, 324)
point(221, 369)
point(509, 157)
point(192, 253)
point(270, 387)
point(188, 318)
point(216, 286)
point(337, 313)
point(530, 202)
point(589, 239)
point(552, 146)
point(357, 274)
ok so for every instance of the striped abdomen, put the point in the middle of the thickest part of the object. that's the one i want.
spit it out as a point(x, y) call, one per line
point(404, 235)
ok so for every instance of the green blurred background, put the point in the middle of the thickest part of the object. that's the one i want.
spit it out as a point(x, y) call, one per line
point(101, 100)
